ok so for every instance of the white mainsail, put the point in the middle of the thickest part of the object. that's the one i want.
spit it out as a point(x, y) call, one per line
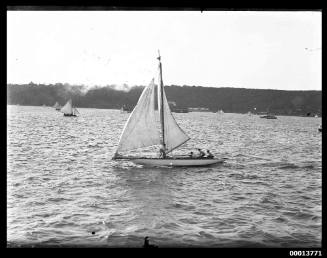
point(174, 136)
point(68, 108)
point(56, 105)
point(140, 129)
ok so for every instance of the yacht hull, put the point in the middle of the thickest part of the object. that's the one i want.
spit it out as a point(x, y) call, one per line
point(156, 162)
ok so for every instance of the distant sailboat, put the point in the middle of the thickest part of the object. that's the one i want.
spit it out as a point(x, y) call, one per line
point(141, 131)
point(68, 109)
point(220, 112)
point(57, 106)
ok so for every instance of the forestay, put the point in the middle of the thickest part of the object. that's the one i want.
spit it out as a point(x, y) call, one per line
point(140, 129)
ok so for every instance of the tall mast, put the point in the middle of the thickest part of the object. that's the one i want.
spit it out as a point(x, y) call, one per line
point(162, 109)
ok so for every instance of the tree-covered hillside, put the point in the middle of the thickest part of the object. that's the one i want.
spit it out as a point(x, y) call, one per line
point(237, 100)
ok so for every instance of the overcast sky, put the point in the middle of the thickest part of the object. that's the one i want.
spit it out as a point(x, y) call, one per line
point(266, 50)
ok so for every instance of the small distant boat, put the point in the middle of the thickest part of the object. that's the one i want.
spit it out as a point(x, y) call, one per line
point(141, 131)
point(320, 128)
point(122, 111)
point(125, 109)
point(268, 116)
point(220, 112)
point(316, 116)
point(57, 106)
point(69, 110)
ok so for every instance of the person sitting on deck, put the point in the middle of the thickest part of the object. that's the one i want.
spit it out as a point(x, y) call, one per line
point(191, 154)
point(162, 153)
point(209, 155)
point(201, 153)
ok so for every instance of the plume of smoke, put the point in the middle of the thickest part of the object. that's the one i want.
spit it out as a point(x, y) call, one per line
point(84, 89)
point(118, 87)
point(66, 89)
point(121, 87)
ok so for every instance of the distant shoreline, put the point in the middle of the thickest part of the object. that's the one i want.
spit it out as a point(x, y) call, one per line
point(311, 116)
point(229, 100)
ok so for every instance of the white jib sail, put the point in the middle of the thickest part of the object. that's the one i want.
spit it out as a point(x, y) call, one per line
point(140, 129)
point(174, 135)
point(68, 108)
point(56, 105)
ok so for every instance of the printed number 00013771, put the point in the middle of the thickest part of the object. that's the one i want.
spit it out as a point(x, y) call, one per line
point(305, 253)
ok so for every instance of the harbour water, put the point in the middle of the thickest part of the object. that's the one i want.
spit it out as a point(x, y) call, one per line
point(62, 184)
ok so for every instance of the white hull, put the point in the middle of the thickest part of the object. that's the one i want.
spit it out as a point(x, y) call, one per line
point(176, 162)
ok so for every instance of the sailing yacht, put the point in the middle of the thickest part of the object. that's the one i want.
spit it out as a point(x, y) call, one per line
point(141, 131)
point(68, 109)
point(57, 106)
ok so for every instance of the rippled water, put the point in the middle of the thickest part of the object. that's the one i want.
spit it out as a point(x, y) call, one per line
point(62, 184)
